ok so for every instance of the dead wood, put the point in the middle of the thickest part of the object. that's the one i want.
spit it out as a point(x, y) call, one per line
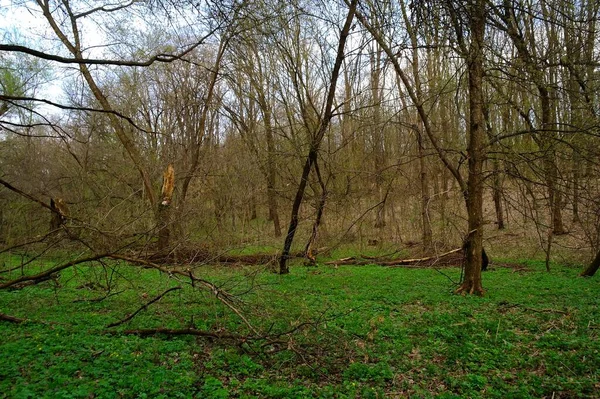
point(11, 319)
point(223, 296)
point(143, 307)
point(28, 196)
point(146, 332)
point(443, 259)
point(189, 256)
point(46, 275)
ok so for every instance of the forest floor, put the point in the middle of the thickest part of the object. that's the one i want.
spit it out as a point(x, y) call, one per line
point(327, 331)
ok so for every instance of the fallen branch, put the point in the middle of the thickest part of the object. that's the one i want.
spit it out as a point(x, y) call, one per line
point(395, 262)
point(220, 294)
point(144, 307)
point(11, 319)
point(100, 299)
point(184, 331)
point(539, 310)
point(45, 275)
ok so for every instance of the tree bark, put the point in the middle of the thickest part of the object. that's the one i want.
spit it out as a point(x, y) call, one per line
point(476, 152)
point(378, 134)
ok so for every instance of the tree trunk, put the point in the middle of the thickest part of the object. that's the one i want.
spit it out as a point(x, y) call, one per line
point(2, 224)
point(476, 153)
point(289, 238)
point(496, 177)
point(308, 251)
point(270, 172)
point(592, 267)
point(497, 194)
point(377, 134)
point(318, 138)
point(549, 163)
point(576, 181)
point(427, 235)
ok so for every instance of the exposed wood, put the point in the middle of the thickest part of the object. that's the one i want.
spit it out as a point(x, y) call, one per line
point(164, 208)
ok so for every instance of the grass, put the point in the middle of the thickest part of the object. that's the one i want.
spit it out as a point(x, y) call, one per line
point(382, 332)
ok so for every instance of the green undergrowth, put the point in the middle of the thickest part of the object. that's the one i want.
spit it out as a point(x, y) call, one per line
point(361, 332)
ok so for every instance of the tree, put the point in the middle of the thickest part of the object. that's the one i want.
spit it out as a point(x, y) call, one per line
point(254, 64)
point(476, 14)
point(70, 33)
point(471, 18)
point(317, 137)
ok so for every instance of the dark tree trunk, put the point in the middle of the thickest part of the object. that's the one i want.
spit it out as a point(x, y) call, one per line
point(427, 235)
point(497, 194)
point(592, 267)
point(318, 138)
point(309, 250)
point(289, 238)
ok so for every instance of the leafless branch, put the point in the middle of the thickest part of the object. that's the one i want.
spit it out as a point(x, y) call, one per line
point(29, 196)
point(143, 307)
point(72, 108)
point(45, 275)
point(165, 58)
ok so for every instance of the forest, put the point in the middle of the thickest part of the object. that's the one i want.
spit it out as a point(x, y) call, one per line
point(305, 198)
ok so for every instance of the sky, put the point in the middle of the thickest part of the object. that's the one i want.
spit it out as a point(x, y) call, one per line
point(27, 26)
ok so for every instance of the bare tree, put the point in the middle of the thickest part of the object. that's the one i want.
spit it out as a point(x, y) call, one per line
point(319, 133)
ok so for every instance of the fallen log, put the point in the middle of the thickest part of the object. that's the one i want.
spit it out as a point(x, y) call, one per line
point(11, 319)
point(430, 260)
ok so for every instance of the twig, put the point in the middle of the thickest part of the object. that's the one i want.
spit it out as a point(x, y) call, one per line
point(100, 299)
point(28, 196)
point(184, 331)
point(145, 306)
point(36, 240)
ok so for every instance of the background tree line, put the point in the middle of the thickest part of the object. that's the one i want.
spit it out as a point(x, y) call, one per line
point(206, 124)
